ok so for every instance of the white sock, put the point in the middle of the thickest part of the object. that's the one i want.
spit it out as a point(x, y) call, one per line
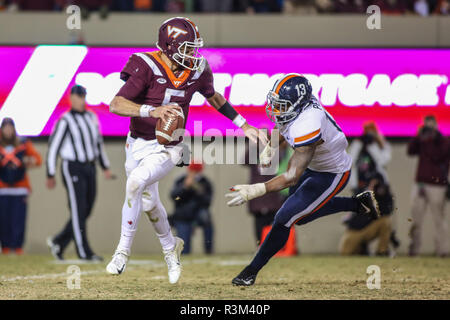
point(130, 219)
point(157, 215)
point(162, 229)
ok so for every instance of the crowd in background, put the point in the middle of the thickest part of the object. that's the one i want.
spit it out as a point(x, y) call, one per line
point(371, 154)
point(391, 7)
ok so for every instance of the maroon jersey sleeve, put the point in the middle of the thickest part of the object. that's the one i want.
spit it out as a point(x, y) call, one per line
point(136, 75)
point(207, 82)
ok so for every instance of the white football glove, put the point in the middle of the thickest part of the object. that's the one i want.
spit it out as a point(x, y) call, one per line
point(245, 192)
point(265, 158)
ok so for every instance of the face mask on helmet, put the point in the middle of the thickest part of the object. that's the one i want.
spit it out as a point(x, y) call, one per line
point(188, 55)
point(278, 110)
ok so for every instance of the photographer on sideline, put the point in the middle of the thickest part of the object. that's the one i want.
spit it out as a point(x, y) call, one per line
point(370, 154)
point(430, 189)
point(361, 230)
point(192, 194)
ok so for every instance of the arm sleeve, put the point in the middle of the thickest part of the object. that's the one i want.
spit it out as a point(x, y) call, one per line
point(309, 130)
point(56, 140)
point(32, 152)
point(207, 82)
point(102, 156)
point(136, 74)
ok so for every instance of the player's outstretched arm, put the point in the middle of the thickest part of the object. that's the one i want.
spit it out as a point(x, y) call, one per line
point(127, 108)
point(224, 107)
point(297, 165)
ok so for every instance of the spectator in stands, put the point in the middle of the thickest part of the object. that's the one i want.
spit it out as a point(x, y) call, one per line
point(221, 6)
point(370, 153)
point(324, 6)
point(177, 6)
point(421, 7)
point(442, 7)
point(192, 194)
point(141, 5)
point(159, 5)
point(433, 150)
point(16, 156)
point(87, 6)
point(129, 5)
point(35, 5)
point(361, 230)
point(392, 6)
point(263, 6)
point(350, 6)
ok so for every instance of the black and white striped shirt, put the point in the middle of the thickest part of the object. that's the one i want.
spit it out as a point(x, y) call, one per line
point(76, 137)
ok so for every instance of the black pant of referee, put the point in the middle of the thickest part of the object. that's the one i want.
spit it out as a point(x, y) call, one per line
point(80, 183)
point(77, 140)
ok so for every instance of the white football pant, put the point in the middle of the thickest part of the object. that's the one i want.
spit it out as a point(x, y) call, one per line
point(142, 190)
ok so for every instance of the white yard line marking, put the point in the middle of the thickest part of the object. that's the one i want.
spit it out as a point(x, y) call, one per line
point(152, 263)
point(47, 276)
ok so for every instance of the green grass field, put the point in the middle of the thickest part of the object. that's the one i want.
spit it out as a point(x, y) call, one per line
point(302, 277)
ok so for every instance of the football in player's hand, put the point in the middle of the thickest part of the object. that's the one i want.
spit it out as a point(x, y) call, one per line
point(165, 129)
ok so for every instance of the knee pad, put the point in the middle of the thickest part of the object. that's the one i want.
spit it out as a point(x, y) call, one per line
point(136, 182)
point(148, 202)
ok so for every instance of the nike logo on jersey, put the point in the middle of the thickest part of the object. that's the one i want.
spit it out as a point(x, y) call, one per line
point(190, 82)
point(161, 80)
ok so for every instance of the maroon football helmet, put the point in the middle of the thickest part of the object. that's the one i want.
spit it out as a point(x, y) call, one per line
point(179, 39)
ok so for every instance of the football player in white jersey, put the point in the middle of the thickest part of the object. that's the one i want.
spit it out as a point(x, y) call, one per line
point(318, 170)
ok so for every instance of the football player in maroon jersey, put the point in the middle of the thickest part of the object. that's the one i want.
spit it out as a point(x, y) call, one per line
point(159, 84)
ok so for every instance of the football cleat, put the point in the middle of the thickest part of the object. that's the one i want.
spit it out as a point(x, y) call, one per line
point(55, 249)
point(247, 278)
point(368, 205)
point(172, 258)
point(118, 263)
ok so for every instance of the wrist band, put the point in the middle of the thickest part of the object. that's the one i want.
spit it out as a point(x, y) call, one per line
point(145, 110)
point(228, 111)
point(239, 121)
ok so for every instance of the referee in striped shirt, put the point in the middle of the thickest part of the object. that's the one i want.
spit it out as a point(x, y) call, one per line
point(77, 140)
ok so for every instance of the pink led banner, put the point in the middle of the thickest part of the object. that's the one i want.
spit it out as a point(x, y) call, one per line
point(394, 87)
